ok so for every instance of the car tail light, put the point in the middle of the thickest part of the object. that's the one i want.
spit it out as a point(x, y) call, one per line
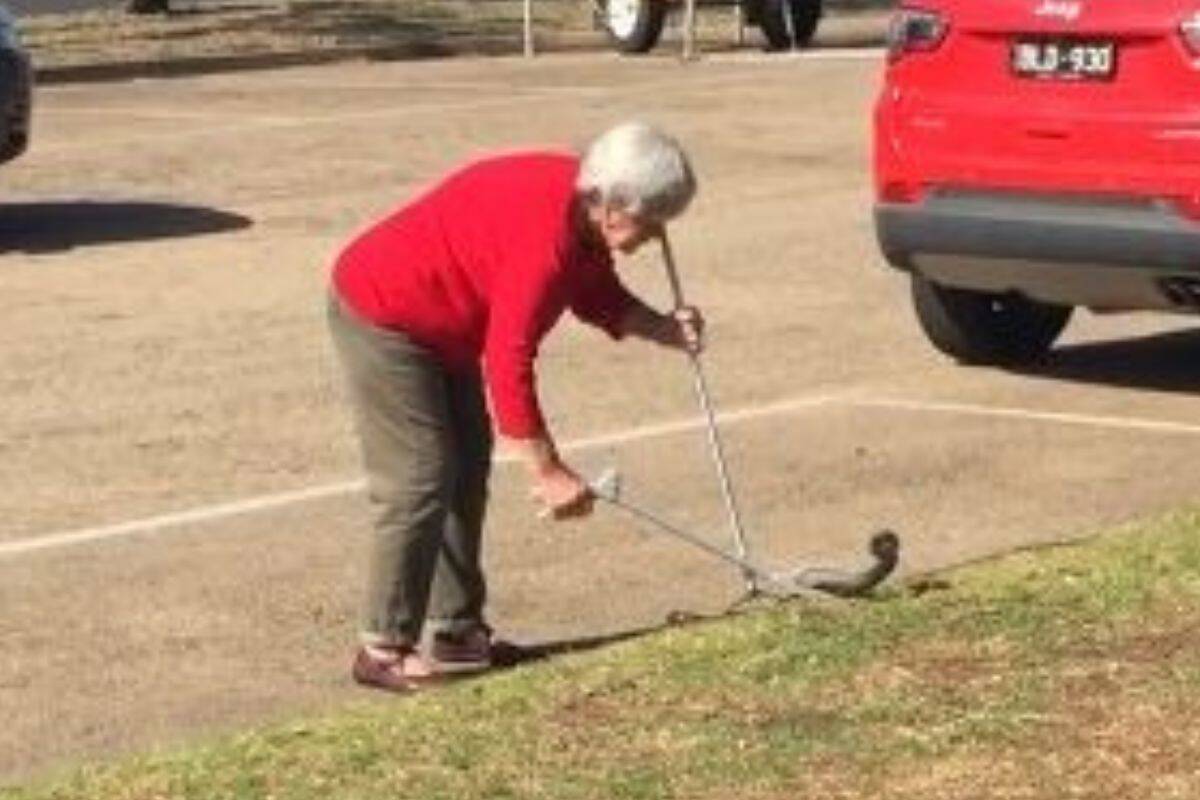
point(914, 30)
point(1189, 29)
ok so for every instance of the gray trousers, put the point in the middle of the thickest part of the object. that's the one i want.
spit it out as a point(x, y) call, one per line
point(427, 448)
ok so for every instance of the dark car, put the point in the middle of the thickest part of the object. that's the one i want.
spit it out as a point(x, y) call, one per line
point(1036, 156)
point(635, 25)
point(16, 90)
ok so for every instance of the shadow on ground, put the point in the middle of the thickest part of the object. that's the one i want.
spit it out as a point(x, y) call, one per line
point(510, 654)
point(1168, 362)
point(858, 584)
point(63, 225)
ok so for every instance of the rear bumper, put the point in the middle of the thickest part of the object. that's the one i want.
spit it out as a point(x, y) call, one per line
point(1104, 253)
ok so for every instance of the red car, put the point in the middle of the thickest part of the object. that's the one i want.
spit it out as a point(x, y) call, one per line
point(1032, 156)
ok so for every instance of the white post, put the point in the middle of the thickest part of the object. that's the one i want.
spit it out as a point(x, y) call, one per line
point(529, 28)
point(689, 30)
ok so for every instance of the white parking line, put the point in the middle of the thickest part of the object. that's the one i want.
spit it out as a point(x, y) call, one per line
point(1066, 418)
point(132, 114)
point(246, 124)
point(178, 520)
point(205, 514)
point(269, 502)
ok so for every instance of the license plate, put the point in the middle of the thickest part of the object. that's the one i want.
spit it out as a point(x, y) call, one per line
point(1068, 60)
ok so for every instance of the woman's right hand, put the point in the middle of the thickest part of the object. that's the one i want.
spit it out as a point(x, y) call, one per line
point(562, 493)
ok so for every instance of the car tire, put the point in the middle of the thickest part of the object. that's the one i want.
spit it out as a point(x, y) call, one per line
point(14, 146)
point(634, 26)
point(788, 24)
point(986, 328)
point(148, 6)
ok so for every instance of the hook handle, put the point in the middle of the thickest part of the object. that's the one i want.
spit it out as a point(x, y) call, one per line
point(714, 438)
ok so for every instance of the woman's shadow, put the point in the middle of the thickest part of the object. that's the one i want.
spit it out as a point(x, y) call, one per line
point(1167, 362)
point(53, 226)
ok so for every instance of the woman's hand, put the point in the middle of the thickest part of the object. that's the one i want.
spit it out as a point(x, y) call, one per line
point(681, 329)
point(562, 493)
point(688, 329)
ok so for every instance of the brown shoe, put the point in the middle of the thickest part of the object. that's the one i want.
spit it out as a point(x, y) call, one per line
point(472, 650)
point(400, 670)
point(462, 651)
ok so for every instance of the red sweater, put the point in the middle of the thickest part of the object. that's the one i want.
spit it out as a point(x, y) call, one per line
point(481, 266)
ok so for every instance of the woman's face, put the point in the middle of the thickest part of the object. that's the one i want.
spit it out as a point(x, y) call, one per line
point(623, 231)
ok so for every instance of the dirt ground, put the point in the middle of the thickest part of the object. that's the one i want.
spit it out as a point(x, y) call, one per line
point(107, 42)
point(163, 253)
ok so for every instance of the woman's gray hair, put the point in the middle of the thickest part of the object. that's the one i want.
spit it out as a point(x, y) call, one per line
point(638, 169)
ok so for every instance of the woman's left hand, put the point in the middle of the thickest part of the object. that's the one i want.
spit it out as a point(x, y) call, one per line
point(687, 332)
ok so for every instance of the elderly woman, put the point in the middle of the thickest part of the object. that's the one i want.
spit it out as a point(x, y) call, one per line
point(445, 301)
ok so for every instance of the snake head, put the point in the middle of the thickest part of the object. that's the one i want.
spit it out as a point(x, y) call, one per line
point(885, 546)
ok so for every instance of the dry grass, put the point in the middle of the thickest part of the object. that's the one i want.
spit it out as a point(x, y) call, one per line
point(241, 29)
point(257, 27)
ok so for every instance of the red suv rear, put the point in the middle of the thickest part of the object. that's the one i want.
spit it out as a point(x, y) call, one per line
point(1032, 156)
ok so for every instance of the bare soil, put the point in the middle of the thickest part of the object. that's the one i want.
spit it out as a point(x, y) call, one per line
point(205, 33)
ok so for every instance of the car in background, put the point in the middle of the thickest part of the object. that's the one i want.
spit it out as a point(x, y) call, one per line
point(16, 90)
point(635, 26)
point(1035, 156)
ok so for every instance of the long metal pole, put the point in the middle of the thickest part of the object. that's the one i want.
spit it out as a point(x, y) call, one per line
point(749, 568)
point(714, 438)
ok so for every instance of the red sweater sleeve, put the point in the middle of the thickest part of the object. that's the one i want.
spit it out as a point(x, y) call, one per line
point(600, 299)
point(525, 305)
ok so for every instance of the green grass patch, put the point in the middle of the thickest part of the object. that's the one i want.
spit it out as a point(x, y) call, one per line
point(1071, 672)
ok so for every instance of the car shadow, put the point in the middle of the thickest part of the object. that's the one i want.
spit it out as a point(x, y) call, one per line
point(1167, 362)
point(52, 226)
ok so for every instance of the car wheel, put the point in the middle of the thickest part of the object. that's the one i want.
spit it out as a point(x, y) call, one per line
point(147, 6)
point(986, 328)
point(788, 24)
point(634, 26)
point(13, 146)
